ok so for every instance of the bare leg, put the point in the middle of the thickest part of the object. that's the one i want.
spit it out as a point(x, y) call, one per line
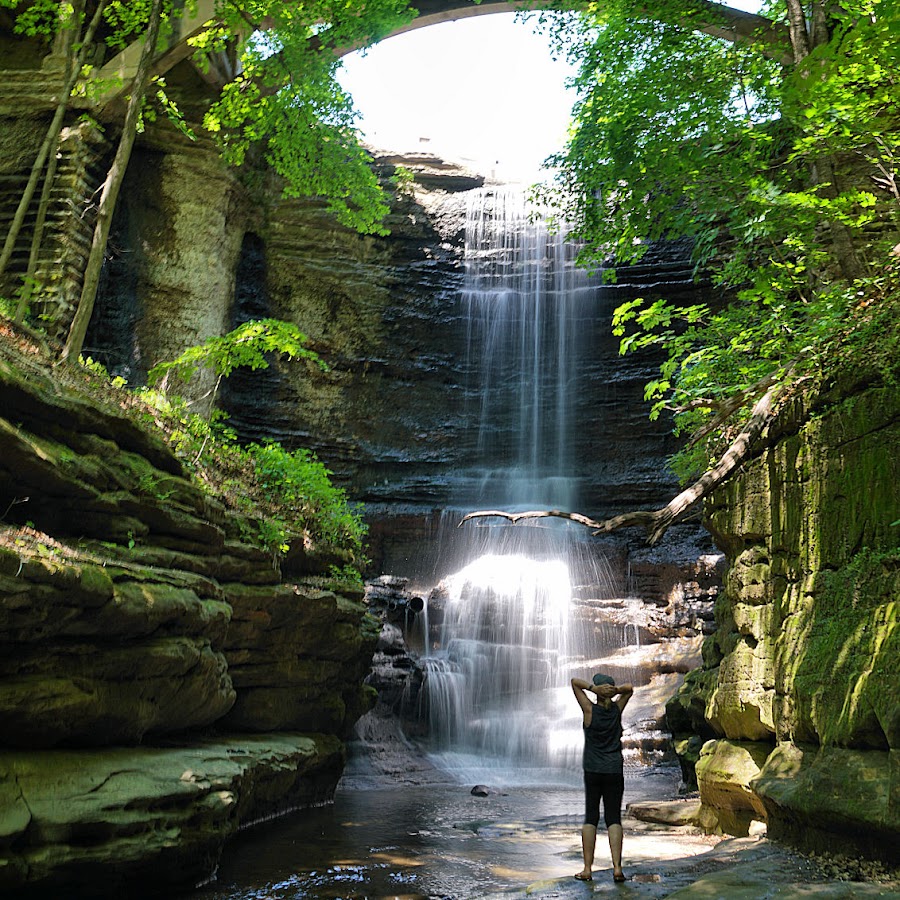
point(615, 847)
point(588, 841)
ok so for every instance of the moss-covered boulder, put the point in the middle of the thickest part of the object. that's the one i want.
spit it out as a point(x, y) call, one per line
point(818, 798)
point(725, 770)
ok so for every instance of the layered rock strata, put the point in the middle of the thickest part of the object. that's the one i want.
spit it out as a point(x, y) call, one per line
point(196, 251)
point(162, 684)
point(148, 819)
point(802, 675)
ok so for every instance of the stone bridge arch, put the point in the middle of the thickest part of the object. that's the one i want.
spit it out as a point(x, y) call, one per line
point(712, 18)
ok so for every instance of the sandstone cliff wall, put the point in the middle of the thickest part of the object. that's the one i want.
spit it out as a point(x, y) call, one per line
point(196, 249)
point(799, 694)
point(161, 683)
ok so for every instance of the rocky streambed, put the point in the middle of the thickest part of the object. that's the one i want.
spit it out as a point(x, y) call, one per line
point(440, 840)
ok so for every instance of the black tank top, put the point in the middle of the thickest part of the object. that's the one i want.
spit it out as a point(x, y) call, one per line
point(603, 741)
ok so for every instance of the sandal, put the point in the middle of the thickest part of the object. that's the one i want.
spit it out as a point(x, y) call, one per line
point(582, 877)
point(619, 877)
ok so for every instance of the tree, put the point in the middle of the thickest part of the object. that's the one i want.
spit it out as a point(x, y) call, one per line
point(285, 100)
point(72, 42)
point(783, 174)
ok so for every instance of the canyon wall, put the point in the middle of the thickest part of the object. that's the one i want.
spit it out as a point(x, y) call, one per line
point(162, 682)
point(794, 718)
point(392, 416)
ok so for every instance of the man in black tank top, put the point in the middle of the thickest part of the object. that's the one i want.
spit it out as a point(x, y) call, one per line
point(604, 778)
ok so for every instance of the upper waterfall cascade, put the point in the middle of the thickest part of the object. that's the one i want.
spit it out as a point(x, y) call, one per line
point(527, 305)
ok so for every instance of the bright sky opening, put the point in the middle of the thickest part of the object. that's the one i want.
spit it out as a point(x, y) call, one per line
point(483, 91)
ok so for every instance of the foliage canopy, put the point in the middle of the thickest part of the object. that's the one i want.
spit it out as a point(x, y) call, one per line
point(782, 176)
point(287, 95)
point(285, 101)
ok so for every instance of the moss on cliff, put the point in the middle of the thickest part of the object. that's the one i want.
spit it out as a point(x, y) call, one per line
point(844, 677)
point(807, 652)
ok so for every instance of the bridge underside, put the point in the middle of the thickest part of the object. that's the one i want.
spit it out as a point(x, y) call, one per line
point(715, 19)
point(121, 69)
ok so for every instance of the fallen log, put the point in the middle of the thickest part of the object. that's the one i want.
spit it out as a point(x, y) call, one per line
point(656, 522)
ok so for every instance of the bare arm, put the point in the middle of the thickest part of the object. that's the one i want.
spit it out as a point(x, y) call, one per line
point(623, 695)
point(580, 688)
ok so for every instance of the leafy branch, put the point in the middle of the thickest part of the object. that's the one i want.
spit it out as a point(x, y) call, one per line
point(248, 346)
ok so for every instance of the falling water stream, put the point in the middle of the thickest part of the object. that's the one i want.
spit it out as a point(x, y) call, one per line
point(508, 641)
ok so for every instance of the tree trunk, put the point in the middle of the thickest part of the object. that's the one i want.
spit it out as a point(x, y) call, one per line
point(797, 29)
point(51, 138)
point(111, 188)
point(37, 238)
point(805, 37)
point(657, 522)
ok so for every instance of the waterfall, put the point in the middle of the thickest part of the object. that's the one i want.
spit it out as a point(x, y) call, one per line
point(526, 304)
point(509, 628)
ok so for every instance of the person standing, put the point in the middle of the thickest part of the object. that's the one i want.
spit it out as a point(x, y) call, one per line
point(603, 764)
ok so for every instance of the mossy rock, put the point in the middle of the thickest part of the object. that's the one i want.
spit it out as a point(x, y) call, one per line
point(819, 798)
point(725, 770)
point(149, 816)
point(840, 656)
point(686, 710)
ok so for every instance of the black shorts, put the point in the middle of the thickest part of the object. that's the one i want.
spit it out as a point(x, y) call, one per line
point(609, 788)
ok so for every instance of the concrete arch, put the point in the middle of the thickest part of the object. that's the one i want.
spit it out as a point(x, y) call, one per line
point(712, 18)
point(725, 22)
point(121, 69)
point(435, 12)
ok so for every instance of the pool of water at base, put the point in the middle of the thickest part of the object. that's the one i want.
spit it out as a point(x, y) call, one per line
point(411, 843)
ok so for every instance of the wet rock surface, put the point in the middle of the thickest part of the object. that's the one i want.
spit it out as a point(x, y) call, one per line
point(87, 823)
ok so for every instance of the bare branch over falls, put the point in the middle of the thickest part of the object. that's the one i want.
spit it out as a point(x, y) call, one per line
point(657, 522)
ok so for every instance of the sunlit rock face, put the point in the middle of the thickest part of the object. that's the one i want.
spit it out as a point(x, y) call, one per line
point(804, 661)
point(392, 416)
point(148, 820)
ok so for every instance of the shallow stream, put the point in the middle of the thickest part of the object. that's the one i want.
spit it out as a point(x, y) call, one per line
point(407, 842)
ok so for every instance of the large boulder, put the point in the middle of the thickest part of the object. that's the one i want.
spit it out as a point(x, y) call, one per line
point(144, 818)
point(815, 797)
point(725, 770)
